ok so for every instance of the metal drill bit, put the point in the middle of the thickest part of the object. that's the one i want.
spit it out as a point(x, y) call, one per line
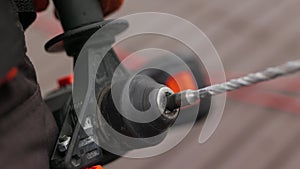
point(189, 97)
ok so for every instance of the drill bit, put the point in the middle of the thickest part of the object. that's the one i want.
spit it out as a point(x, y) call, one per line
point(189, 97)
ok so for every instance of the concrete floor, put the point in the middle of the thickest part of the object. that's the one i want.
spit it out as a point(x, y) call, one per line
point(260, 128)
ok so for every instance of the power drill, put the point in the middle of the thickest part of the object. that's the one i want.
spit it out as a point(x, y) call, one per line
point(76, 145)
point(78, 141)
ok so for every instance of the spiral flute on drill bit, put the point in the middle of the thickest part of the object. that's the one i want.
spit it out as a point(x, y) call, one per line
point(189, 97)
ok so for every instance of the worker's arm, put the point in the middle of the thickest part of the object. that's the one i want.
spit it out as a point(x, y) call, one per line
point(27, 129)
point(12, 44)
point(13, 47)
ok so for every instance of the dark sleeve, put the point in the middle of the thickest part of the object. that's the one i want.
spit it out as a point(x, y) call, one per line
point(12, 44)
point(27, 128)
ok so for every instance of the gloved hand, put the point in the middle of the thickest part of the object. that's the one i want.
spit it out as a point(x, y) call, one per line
point(108, 6)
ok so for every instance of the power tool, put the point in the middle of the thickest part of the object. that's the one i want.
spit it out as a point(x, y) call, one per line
point(77, 145)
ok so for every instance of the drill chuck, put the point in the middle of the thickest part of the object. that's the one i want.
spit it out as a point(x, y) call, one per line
point(143, 115)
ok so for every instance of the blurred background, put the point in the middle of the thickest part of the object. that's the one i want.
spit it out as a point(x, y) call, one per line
point(260, 128)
